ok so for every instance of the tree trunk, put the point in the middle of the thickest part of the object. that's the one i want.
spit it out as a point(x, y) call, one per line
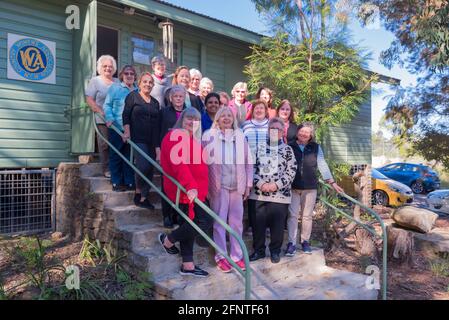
point(400, 244)
point(323, 19)
point(301, 21)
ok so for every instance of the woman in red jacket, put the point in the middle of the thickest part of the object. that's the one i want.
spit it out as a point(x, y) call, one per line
point(181, 158)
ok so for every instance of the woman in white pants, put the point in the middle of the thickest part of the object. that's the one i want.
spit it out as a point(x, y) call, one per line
point(310, 159)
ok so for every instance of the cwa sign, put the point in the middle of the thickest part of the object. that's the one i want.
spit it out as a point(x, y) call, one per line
point(31, 59)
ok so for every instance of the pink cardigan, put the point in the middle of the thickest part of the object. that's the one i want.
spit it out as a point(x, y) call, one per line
point(244, 166)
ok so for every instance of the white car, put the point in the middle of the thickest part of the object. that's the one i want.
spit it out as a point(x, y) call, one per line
point(439, 200)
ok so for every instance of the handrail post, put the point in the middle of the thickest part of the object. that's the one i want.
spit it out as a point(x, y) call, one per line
point(384, 234)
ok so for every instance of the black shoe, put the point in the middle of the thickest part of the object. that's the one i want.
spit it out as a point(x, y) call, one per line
point(137, 197)
point(256, 256)
point(130, 187)
point(275, 257)
point(146, 204)
point(197, 272)
point(168, 223)
point(172, 249)
point(117, 188)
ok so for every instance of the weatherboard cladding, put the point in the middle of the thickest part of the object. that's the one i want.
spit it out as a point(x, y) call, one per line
point(34, 130)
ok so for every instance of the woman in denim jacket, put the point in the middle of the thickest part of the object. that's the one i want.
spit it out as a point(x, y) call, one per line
point(122, 176)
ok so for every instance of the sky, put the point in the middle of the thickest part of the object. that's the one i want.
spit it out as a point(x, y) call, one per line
point(374, 38)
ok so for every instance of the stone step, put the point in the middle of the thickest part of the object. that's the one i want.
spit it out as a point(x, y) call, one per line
point(94, 169)
point(328, 284)
point(133, 215)
point(113, 199)
point(221, 285)
point(101, 183)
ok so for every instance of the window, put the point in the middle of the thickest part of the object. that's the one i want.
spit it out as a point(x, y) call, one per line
point(393, 167)
point(142, 52)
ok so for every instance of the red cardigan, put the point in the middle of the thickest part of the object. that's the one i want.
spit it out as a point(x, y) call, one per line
point(182, 159)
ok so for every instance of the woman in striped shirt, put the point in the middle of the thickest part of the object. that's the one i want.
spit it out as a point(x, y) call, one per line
point(256, 128)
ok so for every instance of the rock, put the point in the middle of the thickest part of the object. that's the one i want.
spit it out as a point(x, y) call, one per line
point(414, 218)
point(55, 236)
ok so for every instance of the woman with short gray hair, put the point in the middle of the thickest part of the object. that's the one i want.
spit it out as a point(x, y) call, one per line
point(239, 105)
point(161, 81)
point(195, 79)
point(96, 92)
point(310, 159)
point(168, 117)
point(206, 87)
point(273, 175)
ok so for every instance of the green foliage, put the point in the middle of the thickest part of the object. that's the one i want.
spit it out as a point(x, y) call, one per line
point(325, 83)
point(440, 267)
point(30, 252)
point(89, 289)
point(304, 20)
point(3, 295)
point(95, 253)
point(134, 289)
point(419, 114)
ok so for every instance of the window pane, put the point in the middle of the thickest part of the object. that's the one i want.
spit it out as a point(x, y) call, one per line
point(143, 51)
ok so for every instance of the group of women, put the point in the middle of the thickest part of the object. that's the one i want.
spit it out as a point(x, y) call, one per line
point(223, 151)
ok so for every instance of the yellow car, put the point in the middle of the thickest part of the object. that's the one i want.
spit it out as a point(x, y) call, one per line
point(386, 192)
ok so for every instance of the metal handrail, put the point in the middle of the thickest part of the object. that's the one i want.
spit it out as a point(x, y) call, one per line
point(247, 273)
point(366, 227)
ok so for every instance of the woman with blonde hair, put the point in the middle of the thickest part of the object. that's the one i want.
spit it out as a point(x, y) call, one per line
point(96, 92)
point(182, 77)
point(230, 181)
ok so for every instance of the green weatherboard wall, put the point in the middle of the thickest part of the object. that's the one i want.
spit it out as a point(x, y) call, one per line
point(35, 128)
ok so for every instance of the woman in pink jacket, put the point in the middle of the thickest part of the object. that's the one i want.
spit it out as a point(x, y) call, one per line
point(230, 181)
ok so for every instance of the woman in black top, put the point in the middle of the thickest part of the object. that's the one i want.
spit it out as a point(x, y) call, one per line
point(286, 113)
point(170, 114)
point(141, 124)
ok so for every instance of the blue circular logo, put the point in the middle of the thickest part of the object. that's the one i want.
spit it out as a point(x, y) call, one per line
point(31, 59)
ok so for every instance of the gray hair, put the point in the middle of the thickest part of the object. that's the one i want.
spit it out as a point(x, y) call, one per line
point(310, 125)
point(101, 60)
point(239, 85)
point(192, 113)
point(206, 81)
point(158, 59)
point(276, 120)
point(195, 72)
point(176, 88)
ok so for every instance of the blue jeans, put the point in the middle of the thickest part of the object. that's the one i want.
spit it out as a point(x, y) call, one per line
point(121, 172)
point(145, 167)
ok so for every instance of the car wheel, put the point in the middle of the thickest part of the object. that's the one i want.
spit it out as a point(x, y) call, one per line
point(380, 198)
point(417, 187)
